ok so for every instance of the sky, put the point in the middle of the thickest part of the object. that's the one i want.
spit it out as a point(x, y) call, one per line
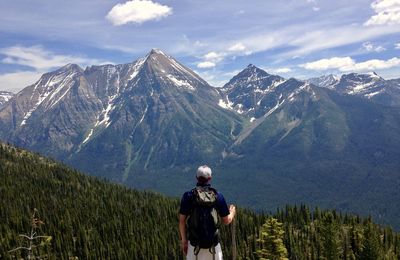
point(215, 38)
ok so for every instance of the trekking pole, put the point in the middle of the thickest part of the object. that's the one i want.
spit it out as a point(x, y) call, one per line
point(233, 232)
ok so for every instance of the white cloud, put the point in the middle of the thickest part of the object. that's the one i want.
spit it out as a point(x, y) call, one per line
point(376, 64)
point(40, 59)
point(238, 47)
point(316, 9)
point(206, 65)
point(326, 64)
point(387, 13)
point(282, 70)
point(211, 59)
point(370, 47)
point(397, 46)
point(137, 11)
point(16, 81)
point(347, 64)
point(214, 56)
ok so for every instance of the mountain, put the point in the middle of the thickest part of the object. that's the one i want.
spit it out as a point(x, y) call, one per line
point(370, 86)
point(150, 123)
point(245, 92)
point(325, 81)
point(83, 217)
point(4, 97)
point(316, 145)
point(148, 115)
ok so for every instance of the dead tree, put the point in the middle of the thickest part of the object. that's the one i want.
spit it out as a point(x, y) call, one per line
point(32, 240)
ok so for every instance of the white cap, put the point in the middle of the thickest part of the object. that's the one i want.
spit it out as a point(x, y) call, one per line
point(204, 172)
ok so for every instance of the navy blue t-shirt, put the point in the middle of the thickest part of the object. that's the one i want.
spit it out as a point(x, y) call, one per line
point(186, 203)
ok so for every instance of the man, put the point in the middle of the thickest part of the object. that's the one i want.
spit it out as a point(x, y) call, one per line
point(187, 208)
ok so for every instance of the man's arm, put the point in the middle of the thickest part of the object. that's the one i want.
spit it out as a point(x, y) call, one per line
point(182, 232)
point(228, 219)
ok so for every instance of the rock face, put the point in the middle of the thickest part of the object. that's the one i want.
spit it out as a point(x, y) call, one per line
point(370, 86)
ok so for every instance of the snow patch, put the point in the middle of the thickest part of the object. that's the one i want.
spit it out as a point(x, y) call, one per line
point(226, 105)
point(239, 108)
point(370, 95)
point(144, 114)
point(88, 137)
point(67, 80)
point(136, 68)
point(359, 88)
point(373, 75)
point(54, 80)
point(180, 83)
point(106, 113)
point(6, 97)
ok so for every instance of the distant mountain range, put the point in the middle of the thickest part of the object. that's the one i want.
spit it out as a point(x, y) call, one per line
point(370, 86)
point(332, 142)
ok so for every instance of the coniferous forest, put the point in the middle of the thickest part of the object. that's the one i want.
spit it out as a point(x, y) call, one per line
point(63, 214)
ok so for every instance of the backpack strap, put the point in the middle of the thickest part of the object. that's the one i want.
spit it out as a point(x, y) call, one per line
point(196, 251)
point(212, 251)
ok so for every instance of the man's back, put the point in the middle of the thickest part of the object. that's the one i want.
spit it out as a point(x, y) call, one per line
point(193, 205)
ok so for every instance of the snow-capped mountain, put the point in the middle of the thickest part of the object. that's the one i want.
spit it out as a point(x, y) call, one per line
point(118, 113)
point(325, 81)
point(255, 93)
point(370, 86)
point(245, 91)
point(4, 97)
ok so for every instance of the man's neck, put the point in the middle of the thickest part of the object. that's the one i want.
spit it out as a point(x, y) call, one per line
point(203, 184)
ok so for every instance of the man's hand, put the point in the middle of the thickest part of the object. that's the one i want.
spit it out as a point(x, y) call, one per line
point(232, 212)
point(184, 246)
point(232, 209)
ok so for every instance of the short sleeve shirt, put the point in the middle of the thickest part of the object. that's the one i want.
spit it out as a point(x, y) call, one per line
point(187, 205)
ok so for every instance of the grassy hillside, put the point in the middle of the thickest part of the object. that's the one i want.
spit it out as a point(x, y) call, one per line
point(89, 218)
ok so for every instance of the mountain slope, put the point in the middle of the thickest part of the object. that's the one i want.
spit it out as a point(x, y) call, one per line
point(91, 219)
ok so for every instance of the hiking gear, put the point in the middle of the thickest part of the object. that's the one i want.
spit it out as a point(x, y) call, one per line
point(233, 238)
point(203, 221)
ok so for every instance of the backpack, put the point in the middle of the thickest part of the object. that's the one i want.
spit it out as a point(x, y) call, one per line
point(203, 222)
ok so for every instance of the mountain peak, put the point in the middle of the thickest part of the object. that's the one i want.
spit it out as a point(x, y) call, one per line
point(71, 67)
point(167, 68)
point(155, 51)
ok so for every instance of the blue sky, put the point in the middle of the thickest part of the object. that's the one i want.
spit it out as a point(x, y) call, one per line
point(217, 39)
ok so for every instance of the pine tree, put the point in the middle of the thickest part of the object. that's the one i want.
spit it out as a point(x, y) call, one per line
point(329, 235)
point(372, 243)
point(271, 241)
